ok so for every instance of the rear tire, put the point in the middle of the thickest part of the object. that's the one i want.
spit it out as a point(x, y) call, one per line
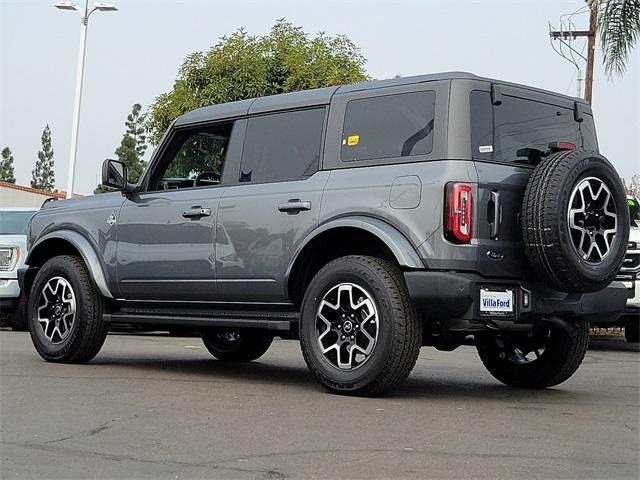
point(235, 345)
point(348, 297)
point(547, 359)
point(63, 285)
point(631, 329)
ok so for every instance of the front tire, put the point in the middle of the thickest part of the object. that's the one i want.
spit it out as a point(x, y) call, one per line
point(236, 345)
point(65, 312)
point(547, 357)
point(359, 331)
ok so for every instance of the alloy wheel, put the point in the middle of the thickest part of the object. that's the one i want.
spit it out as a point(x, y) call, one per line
point(56, 309)
point(228, 337)
point(592, 219)
point(524, 350)
point(347, 326)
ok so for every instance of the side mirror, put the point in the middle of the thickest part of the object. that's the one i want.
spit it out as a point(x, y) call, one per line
point(114, 174)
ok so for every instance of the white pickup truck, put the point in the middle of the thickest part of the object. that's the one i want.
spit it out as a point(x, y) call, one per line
point(13, 251)
point(630, 272)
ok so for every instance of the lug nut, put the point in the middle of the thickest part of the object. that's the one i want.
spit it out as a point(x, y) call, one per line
point(342, 337)
point(353, 337)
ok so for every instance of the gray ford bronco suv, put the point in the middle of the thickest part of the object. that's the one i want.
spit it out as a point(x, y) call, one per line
point(364, 220)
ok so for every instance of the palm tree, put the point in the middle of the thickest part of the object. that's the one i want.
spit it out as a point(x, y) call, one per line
point(618, 25)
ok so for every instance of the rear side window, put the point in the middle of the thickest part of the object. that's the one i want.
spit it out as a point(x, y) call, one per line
point(388, 126)
point(509, 132)
point(481, 125)
point(282, 146)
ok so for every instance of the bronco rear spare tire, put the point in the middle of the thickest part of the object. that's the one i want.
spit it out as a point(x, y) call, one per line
point(575, 222)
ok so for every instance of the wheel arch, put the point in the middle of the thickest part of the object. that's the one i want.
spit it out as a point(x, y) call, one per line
point(63, 242)
point(365, 235)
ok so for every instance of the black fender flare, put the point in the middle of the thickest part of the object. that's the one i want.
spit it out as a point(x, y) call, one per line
point(86, 250)
point(402, 249)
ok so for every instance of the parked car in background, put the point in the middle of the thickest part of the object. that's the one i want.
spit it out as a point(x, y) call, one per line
point(629, 276)
point(13, 252)
point(366, 220)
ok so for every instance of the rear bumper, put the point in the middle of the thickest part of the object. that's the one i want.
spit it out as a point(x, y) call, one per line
point(453, 299)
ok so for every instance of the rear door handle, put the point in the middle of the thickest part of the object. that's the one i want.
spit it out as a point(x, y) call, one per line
point(494, 225)
point(294, 205)
point(196, 212)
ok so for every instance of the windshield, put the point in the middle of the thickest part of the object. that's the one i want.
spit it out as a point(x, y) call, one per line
point(14, 223)
point(634, 211)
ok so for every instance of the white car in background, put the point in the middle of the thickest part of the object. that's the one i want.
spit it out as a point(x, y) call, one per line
point(630, 272)
point(13, 251)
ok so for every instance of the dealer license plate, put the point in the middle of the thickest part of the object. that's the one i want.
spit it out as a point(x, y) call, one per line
point(498, 302)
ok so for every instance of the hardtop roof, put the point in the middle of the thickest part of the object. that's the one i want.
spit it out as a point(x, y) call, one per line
point(322, 96)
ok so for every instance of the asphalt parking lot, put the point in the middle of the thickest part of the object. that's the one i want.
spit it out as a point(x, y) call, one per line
point(161, 407)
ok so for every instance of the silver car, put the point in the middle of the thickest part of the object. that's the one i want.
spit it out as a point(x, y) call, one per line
point(13, 252)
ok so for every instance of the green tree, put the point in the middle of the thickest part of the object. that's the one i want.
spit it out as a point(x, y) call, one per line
point(132, 146)
point(42, 176)
point(7, 174)
point(245, 66)
point(618, 25)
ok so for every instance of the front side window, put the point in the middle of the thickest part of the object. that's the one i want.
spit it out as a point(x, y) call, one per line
point(282, 146)
point(389, 126)
point(195, 158)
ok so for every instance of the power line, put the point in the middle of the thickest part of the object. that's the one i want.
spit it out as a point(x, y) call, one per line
point(568, 34)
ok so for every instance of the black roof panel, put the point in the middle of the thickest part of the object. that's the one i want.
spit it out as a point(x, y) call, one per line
point(322, 96)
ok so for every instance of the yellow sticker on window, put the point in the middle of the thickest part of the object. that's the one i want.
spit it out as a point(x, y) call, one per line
point(353, 140)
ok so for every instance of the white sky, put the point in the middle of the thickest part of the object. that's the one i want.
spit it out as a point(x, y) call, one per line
point(133, 55)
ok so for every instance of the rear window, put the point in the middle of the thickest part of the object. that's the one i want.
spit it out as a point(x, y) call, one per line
point(389, 126)
point(509, 131)
point(14, 223)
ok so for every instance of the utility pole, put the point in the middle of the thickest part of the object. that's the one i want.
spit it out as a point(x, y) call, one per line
point(591, 53)
point(564, 35)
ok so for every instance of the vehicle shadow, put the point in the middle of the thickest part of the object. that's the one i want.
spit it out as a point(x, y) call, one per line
point(418, 385)
point(614, 343)
point(212, 370)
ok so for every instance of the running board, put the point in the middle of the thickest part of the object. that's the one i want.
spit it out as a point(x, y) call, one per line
point(279, 321)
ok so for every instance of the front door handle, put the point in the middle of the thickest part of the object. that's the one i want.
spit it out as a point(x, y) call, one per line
point(294, 205)
point(196, 212)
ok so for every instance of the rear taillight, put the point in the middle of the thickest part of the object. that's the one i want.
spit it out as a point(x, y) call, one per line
point(457, 212)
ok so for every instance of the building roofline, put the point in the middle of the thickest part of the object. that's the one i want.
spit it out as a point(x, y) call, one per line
point(60, 194)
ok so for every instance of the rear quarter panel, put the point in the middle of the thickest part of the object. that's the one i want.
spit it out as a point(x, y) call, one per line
point(406, 192)
point(376, 191)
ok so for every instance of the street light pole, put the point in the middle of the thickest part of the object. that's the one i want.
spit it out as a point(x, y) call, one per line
point(101, 6)
point(76, 107)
